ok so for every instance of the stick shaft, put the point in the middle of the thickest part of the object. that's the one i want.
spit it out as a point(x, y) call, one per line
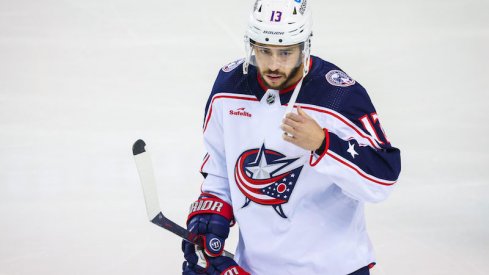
point(144, 166)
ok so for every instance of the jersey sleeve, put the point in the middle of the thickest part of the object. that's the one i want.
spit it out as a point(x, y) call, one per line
point(359, 158)
point(214, 168)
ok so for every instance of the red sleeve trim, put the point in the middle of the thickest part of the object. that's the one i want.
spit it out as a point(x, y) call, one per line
point(326, 137)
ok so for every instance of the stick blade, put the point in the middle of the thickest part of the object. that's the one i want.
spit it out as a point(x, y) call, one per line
point(147, 178)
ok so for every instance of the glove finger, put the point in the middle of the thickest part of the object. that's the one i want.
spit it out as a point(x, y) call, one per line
point(187, 246)
point(215, 226)
point(189, 253)
point(195, 269)
point(189, 269)
point(185, 269)
point(193, 225)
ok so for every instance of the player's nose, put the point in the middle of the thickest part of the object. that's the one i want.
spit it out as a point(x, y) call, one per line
point(274, 64)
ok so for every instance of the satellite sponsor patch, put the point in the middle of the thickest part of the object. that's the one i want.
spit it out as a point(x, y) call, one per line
point(231, 66)
point(339, 78)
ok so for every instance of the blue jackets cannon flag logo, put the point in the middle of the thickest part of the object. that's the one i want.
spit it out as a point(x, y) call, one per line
point(266, 177)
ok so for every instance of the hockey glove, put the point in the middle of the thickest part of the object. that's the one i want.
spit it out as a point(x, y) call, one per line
point(223, 265)
point(210, 219)
point(217, 266)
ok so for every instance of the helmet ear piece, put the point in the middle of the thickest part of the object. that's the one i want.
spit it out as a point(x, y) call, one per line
point(306, 52)
point(248, 53)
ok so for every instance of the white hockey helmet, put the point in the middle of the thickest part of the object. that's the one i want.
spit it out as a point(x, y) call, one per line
point(280, 23)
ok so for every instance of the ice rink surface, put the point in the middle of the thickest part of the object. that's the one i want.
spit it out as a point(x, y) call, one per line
point(80, 81)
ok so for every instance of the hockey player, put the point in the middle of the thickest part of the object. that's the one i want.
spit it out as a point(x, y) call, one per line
point(295, 150)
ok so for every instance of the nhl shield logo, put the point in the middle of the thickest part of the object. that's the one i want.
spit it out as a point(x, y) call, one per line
point(271, 99)
point(339, 78)
point(267, 177)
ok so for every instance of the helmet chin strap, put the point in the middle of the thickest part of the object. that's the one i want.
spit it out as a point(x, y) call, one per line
point(306, 61)
point(305, 70)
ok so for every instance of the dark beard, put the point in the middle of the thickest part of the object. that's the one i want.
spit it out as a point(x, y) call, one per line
point(287, 83)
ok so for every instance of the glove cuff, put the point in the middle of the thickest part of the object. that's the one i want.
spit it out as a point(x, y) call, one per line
point(210, 204)
point(235, 270)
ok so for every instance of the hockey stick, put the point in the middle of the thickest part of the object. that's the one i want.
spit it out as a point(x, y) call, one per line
point(148, 182)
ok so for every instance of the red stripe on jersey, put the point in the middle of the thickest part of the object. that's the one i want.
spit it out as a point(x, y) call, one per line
point(206, 158)
point(359, 171)
point(348, 123)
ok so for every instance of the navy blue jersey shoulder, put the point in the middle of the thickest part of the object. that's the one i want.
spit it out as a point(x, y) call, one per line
point(326, 86)
point(330, 87)
point(230, 80)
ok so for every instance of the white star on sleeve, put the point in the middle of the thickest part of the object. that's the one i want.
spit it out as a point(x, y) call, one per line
point(351, 150)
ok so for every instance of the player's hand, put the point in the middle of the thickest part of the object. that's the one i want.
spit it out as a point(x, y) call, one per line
point(212, 231)
point(205, 226)
point(302, 130)
point(195, 260)
point(209, 220)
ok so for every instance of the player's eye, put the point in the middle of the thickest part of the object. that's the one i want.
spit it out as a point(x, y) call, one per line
point(264, 51)
point(285, 53)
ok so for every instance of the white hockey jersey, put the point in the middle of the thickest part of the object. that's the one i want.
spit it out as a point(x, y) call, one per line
point(298, 213)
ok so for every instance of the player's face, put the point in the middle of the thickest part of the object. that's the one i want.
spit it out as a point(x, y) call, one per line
point(279, 66)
